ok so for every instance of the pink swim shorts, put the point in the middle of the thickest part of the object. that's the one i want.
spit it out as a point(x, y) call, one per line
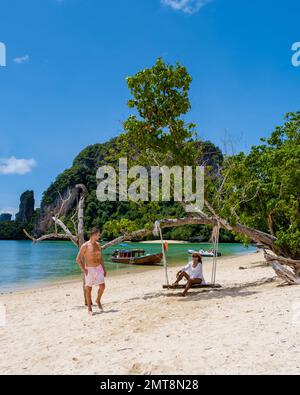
point(95, 276)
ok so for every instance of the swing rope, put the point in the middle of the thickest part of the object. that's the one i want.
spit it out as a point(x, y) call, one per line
point(216, 239)
point(158, 232)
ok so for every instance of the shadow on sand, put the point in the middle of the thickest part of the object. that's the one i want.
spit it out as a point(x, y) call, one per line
point(240, 290)
point(96, 310)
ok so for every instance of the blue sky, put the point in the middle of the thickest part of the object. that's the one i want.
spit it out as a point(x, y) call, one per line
point(64, 85)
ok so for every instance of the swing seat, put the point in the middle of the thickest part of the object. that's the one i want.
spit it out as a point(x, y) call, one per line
point(195, 286)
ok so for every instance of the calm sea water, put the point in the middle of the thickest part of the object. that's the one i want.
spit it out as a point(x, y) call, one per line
point(24, 264)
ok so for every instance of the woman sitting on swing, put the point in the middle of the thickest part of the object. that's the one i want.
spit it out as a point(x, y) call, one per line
point(192, 272)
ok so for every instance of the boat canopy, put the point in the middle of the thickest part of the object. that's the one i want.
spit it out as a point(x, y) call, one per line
point(129, 253)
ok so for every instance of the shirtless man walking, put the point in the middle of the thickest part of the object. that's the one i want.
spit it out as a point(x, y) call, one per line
point(91, 263)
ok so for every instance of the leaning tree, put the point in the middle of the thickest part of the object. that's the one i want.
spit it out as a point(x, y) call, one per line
point(256, 195)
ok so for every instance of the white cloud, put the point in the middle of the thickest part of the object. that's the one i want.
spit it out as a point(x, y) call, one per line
point(22, 59)
point(16, 166)
point(186, 6)
point(9, 210)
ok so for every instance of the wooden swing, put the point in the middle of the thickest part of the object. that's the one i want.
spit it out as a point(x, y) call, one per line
point(215, 241)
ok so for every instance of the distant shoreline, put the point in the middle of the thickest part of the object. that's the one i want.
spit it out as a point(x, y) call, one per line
point(168, 241)
point(171, 242)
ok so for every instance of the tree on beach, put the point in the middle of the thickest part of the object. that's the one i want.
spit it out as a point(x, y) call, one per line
point(255, 196)
point(262, 189)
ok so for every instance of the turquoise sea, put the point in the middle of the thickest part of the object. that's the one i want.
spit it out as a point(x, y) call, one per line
point(26, 265)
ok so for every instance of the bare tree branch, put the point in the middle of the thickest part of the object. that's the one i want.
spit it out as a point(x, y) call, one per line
point(224, 223)
point(64, 201)
point(50, 236)
point(81, 204)
point(77, 239)
point(66, 230)
point(139, 234)
point(201, 219)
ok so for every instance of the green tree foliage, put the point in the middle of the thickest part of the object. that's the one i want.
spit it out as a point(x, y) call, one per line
point(160, 98)
point(156, 134)
point(112, 229)
point(11, 230)
point(262, 189)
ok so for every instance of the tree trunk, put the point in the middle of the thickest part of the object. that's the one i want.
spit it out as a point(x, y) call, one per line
point(81, 204)
point(77, 239)
point(253, 234)
point(80, 229)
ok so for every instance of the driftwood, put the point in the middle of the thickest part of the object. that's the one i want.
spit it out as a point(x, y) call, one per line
point(291, 275)
point(284, 261)
point(285, 274)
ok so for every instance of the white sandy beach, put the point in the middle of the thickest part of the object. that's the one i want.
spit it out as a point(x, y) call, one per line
point(245, 328)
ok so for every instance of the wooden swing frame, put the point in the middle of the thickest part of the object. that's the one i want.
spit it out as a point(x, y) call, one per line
point(213, 284)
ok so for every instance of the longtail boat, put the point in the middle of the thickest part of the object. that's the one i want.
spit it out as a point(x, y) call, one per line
point(136, 257)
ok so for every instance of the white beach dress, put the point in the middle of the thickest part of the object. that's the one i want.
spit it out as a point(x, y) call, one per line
point(194, 272)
